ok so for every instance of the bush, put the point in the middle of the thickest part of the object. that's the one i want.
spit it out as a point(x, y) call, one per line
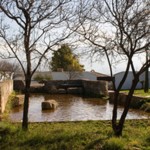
point(42, 78)
point(135, 144)
point(146, 107)
point(11, 101)
point(148, 139)
point(114, 144)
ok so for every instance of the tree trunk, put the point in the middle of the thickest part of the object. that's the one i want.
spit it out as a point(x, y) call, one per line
point(115, 126)
point(118, 127)
point(146, 83)
point(26, 104)
point(114, 118)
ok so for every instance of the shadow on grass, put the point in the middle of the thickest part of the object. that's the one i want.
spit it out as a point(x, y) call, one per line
point(96, 144)
point(62, 142)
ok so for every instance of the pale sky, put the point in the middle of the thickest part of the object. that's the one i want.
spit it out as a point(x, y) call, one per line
point(102, 67)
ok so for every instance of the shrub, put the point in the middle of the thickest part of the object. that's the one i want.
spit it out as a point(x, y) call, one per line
point(11, 101)
point(10, 104)
point(137, 104)
point(135, 144)
point(148, 139)
point(42, 78)
point(48, 77)
point(38, 77)
point(146, 107)
point(114, 144)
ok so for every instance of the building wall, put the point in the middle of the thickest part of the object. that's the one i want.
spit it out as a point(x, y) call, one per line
point(6, 88)
point(128, 82)
point(88, 76)
point(59, 76)
point(65, 75)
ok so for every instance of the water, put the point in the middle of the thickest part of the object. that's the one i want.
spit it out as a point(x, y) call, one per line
point(71, 108)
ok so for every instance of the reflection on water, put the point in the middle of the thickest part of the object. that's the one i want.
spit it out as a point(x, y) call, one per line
point(71, 108)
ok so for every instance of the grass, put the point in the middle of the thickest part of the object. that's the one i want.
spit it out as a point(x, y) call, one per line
point(142, 93)
point(139, 93)
point(86, 135)
point(83, 135)
point(144, 103)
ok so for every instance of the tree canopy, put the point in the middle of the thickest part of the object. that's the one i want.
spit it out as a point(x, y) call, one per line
point(65, 59)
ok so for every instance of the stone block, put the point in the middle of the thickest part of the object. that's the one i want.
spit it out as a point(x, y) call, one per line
point(49, 104)
point(17, 101)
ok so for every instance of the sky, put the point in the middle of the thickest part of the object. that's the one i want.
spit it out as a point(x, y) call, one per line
point(102, 67)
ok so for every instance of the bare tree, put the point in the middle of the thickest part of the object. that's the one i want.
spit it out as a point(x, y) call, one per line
point(6, 66)
point(29, 29)
point(73, 73)
point(7, 69)
point(117, 29)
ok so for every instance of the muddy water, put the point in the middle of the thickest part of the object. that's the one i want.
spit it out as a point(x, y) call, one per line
point(71, 108)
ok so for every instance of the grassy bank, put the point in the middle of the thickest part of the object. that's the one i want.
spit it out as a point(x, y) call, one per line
point(144, 103)
point(75, 136)
point(140, 93)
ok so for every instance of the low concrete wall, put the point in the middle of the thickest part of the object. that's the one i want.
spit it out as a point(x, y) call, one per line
point(6, 88)
point(86, 87)
point(89, 88)
point(18, 85)
point(95, 88)
point(54, 86)
point(136, 101)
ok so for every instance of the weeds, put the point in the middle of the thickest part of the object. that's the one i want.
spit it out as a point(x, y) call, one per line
point(86, 135)
point(146, 107)
point(114, 144)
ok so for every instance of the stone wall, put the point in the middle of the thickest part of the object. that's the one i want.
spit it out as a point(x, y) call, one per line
point(18, 85)
point(54, 86)
point(86, 87)
point(95, 88)
point(89, 88)
point(6, 88)
point(136, 101)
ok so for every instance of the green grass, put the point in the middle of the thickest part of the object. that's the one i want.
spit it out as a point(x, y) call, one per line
point(144, 100)
point(86, 135)
point(142, 93)
point(139, 93)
